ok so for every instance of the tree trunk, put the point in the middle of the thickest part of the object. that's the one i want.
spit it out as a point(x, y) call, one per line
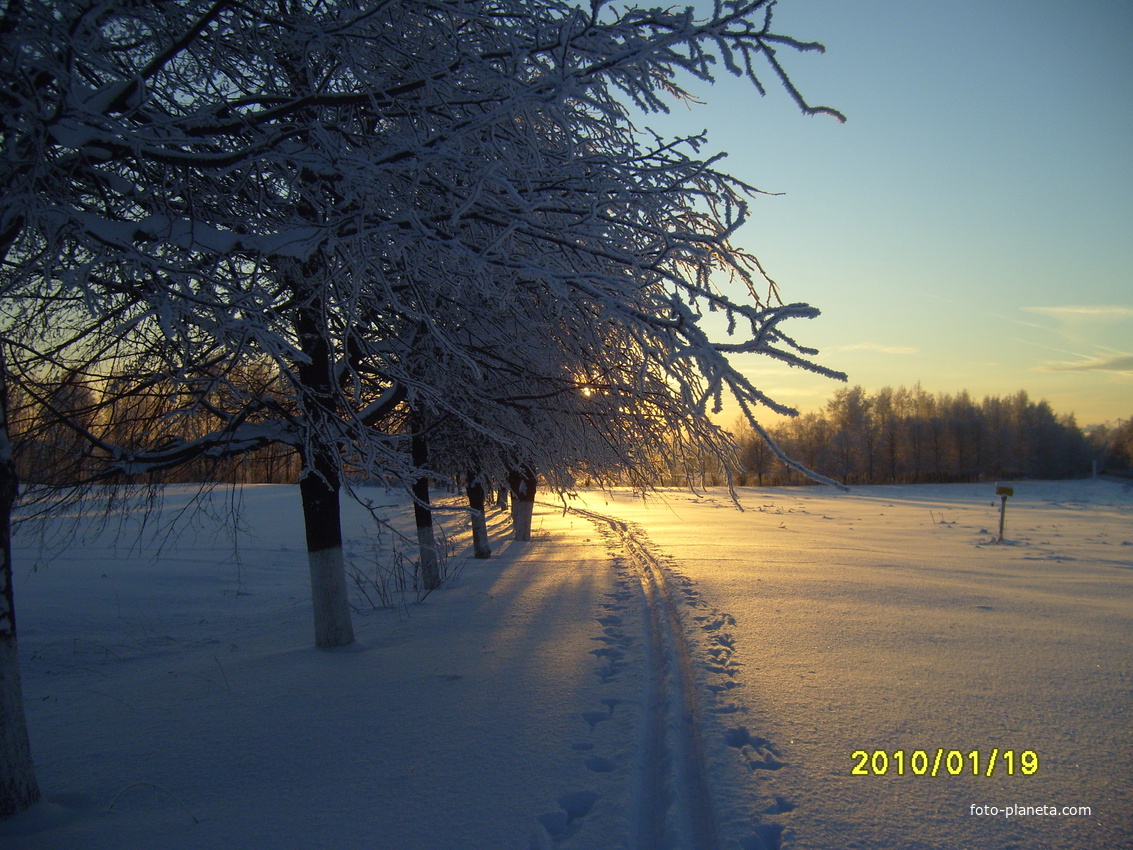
point(426, 540)
point(329, 600)
point(475, 490)
point(319, 485)
point(18, 788)
point(501, 498)
point(522, 484)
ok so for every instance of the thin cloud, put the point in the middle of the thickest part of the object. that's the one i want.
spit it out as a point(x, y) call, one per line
point(1077, 354)
point(1072, 313)
point(881, 349)
point(1122, 363)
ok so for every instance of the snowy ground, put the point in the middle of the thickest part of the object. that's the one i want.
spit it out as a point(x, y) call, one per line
point(670, 674)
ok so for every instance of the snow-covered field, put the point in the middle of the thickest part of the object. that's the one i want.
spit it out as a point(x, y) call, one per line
point(673, 673)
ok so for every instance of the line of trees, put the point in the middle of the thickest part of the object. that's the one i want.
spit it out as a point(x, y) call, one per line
point(401, 240)
point(892, 436)
point(912, 436)
point(1113, 447)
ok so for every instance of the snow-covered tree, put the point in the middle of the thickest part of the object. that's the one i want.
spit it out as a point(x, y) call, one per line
point(333, 187)
point(561, 199)
point(307, 182)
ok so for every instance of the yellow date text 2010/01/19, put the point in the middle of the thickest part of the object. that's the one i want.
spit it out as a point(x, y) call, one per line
point(945, 762)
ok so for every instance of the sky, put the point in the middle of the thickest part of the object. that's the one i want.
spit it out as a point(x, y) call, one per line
point(970, 226)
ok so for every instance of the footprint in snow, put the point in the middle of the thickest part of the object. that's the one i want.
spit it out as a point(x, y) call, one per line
point(609, 672)
point(562, 824)
point(594, 718)
point(767, 836)
point(724, 670)
point(611, 652)
point(598, 764)
point(578, 804)
point(741, 737)
point(718, 622)
point(730, 708)
point(765, 762)
point(725, 640)
point(758, 752)
point(781, 806)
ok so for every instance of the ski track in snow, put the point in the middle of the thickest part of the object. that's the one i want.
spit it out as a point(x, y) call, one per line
point(673, 804)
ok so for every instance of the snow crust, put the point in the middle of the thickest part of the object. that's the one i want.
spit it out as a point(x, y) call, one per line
point(174, 697)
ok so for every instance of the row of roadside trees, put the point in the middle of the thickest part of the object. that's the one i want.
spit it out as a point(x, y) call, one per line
point(401, 240)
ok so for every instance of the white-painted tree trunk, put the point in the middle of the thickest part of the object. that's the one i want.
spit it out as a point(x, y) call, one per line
point(481, 548)
point(521, 512)
point(330, 602)
point(522, 483)
point(329, 598)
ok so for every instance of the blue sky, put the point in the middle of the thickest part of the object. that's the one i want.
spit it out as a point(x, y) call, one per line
point(971, 225)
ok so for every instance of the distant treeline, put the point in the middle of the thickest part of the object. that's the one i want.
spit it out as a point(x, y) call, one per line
point(890, 436)
point(57, 437)
point(1113, 447)
point(911, 436)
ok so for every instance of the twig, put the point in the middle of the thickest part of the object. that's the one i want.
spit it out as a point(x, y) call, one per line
point(223, 674)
